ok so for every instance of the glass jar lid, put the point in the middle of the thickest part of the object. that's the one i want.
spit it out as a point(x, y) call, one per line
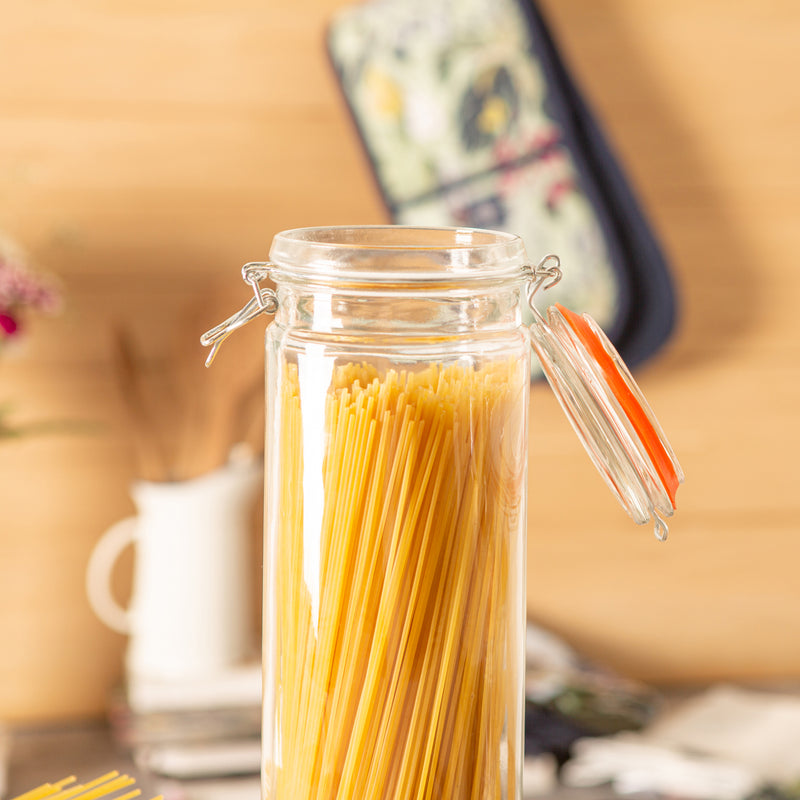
point(606, 408)
point(379, 255)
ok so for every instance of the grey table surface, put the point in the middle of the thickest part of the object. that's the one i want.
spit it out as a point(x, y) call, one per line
point(82, 748)
point(86, 749)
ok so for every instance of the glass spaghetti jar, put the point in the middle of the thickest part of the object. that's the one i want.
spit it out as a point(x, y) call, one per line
point(398, 373)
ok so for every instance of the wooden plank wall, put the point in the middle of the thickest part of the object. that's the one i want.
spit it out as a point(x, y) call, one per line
point(147, 150)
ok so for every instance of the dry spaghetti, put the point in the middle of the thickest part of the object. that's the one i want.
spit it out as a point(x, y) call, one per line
point(399, 671)
point(106, 786)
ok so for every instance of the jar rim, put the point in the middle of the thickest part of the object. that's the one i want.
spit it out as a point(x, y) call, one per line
point(390, 253)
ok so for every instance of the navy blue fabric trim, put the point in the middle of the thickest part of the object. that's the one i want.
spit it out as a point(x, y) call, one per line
point(652, 312)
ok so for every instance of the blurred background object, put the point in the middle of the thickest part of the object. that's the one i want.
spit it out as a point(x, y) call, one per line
point(725, 742)
point(190, 612)
point(568, 698)
point(147, 152)
point(470, 116)
point(4, 748)
point(23, 294)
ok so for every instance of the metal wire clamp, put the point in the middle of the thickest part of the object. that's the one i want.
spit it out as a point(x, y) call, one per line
point(264, 301)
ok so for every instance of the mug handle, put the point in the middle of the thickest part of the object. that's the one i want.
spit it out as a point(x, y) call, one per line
point(98, 574)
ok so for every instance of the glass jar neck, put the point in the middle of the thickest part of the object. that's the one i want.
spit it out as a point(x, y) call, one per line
point(407, 279)
point(409, 310)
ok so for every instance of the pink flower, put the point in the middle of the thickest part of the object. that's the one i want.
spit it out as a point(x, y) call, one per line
point(21, 288)
point(8, 325)
point(21, 291)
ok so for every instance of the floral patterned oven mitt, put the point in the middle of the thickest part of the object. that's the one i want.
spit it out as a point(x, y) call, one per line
point(470, 118)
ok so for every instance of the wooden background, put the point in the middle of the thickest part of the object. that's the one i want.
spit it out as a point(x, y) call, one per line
point(147, 150)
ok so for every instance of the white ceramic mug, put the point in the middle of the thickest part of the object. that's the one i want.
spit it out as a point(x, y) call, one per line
point(190, 613)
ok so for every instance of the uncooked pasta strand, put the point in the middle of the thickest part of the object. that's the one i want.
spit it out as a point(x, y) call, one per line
point(359, 622)
point(356, 762)
point(333, 607)
point(412, 623)
point(399, 687)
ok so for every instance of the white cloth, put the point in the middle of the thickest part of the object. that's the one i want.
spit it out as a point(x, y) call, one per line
point(723, 744)
point(758, 729)
point(631, 764)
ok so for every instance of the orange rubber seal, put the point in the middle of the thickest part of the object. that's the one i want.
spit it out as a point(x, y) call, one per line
point(636, 414)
